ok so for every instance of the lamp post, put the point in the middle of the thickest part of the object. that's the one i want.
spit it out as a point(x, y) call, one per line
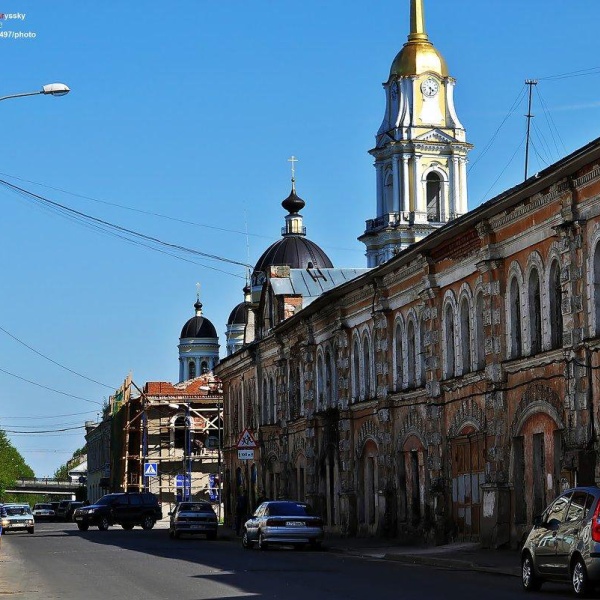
point(50, 89)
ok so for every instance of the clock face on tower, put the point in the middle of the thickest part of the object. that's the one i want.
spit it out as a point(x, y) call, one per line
point(430, 87)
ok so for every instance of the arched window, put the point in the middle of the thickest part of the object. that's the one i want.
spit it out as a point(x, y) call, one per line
point(399, 356)
point(179, 426)
point(479, 332)
point(516, 342)
point(320, 382)
point(434, 197)
point(265, 403)
point(449, 367)
point(411, 355)
point(389, 193)
point(597, 289)
point(465, 332)
point(535, 312)
point(272, 411)
point(422, 353)
point(356, 369)
point(329, 380)
point(204, 367)
point(191, 369)
point(556, 317)
point(367, 367)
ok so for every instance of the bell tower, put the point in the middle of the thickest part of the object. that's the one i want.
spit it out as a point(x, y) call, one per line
point(420, 152)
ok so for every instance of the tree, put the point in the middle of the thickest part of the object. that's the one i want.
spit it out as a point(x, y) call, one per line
point(12, 465)
point(63, 471)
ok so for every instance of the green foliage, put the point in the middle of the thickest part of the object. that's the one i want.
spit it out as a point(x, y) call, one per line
point(63, 471)
point(12, 466)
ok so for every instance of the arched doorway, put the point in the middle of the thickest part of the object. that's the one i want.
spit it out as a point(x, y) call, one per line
point(468, 474)
point(368, 477)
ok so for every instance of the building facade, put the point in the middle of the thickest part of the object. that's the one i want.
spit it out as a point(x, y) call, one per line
point(449, 392)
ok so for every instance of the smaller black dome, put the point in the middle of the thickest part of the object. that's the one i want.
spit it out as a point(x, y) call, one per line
point(238, 315)
point(295, 251)
point(293, 203)
point(198, 327)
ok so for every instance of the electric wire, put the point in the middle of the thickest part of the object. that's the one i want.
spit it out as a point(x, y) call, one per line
point(45, 387)
point(551, 123)
point(504, 169)
point(111, 387)
point(113, 227)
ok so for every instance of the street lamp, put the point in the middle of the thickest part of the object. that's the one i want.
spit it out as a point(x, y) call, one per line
point(50, 89)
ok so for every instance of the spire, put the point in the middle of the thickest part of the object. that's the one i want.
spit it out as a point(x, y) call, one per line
point(198, 304)
point(417, 21)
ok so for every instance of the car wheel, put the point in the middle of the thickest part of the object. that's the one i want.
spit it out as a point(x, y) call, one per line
point(579, 578)
point(530, 580)
point(147, 522)
point(83, 526)
point(177, 534)
point(127, 526)
point(103, 525)
point(262, 545)
point(171, 534)
point(30, 530)
point(315, 545)
point(246, 543)
point(211, 536)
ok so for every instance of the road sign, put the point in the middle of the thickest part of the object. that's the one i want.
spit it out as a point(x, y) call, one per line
point(245, 454)
point(182, 480)
point(246, 441)
point(150, 469)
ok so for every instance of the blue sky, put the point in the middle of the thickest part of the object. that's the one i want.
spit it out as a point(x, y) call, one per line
point(190, 109)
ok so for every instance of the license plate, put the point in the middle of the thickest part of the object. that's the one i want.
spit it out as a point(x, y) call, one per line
point(195, 526)
point(294, 524)
point(79, 518)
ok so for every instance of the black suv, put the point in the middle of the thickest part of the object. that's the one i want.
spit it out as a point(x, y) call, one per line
point(126, 509)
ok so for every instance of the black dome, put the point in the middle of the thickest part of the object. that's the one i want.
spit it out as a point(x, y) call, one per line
point(294, 251)
point(198, 327)
point(238, 315)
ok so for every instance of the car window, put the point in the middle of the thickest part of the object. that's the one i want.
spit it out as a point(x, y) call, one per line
point(577, 508)
point(135, 500)
point(107, 500)
point(149, 499)
point(289, 509)
point(556, 512)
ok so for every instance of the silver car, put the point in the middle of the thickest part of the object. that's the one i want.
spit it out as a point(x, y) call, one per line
point(283, 522)
point(564, 544)
point(16, 517)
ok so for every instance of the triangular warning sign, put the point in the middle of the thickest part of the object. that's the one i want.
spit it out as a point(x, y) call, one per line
point(246, 440)
point(150, 469)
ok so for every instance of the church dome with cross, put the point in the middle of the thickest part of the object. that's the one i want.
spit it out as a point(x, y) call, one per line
point(294, 249)
point(198, 346)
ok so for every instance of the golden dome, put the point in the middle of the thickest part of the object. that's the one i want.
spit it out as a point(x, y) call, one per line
point(418, 54)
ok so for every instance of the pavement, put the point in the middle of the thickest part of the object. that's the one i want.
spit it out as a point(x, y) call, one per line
point(459, 556)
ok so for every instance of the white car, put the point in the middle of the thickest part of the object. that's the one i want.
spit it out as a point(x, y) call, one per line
point(15, 517)
point(43, 512)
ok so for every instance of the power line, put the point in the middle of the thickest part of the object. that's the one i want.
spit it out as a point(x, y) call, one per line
point(89, 412)
point(43, 431)
point(95, 221)
point(110, 387)
point(49, 388)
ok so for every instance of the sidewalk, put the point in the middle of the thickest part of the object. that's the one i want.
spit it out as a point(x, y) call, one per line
point(466, 556)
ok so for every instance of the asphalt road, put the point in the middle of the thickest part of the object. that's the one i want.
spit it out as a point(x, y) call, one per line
point(60, 562)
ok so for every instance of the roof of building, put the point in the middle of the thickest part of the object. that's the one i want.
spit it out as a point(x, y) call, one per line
point(311, 283)
point(238, 315)
point(198, 326)
point(297, 252)
point(204, 385)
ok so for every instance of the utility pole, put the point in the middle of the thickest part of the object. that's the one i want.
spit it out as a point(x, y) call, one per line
point(530, 83)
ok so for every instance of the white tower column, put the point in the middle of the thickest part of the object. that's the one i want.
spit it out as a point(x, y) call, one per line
point(455, 207)
point(405, 184)
point(420, 198)
point(396, 191)
point(462, 200)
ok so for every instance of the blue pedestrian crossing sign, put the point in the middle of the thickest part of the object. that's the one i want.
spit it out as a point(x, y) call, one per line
point(150, 469)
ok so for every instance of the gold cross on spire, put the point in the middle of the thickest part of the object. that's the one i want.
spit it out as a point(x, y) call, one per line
point(293, 160)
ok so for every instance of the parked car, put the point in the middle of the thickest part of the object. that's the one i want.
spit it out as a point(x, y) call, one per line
point(15, 517)
point(283, 522)
point(66, 508)
point(43, 512)
point(193, 518)
point(126, 509)
point(564, 544)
